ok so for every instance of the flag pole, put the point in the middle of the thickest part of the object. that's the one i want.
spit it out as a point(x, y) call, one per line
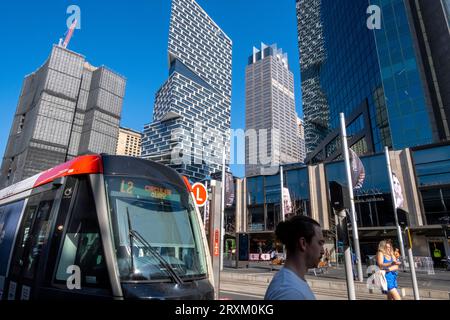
point(352, 202)
point(412, 266)
point(394, 203)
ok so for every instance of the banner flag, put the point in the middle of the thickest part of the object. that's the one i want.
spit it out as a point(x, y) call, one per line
point(229, 189)
point(357, 169)
point(229, 186)
point(287, 201)
point(398, 194)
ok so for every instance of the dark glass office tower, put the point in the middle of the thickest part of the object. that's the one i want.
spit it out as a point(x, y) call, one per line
point(375, 76)
point(432, 22)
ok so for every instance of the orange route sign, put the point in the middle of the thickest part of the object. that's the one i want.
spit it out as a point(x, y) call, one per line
point(216, 243)
point(200, 194)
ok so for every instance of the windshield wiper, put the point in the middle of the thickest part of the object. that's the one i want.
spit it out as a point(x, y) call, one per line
point(131, 241)
point(147, 245)
point(162, 261)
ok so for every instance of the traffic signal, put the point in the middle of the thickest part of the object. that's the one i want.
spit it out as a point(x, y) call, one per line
point(342, 230)
point(339, 196)
point(243, 246)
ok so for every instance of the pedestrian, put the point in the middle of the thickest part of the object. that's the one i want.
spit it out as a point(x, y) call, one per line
point(304, 242)
point(397, 253)
point(327, 256)
point(260, 250)
point(273, 253)
point(386, 261)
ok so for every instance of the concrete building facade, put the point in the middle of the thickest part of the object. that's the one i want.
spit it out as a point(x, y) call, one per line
point(425, 183)
point(269, 111)
point(129, 142)
point(66, 108)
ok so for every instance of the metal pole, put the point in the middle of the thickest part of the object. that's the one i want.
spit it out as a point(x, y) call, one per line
point(206, 204)
point(349, 274)
point(412, 267)
point(282, 193)
point(222, 211)
point(347, 259)
point(391, 184)
point(283, 218)
point(352, 202)
point(214, 225)
point(337, 240)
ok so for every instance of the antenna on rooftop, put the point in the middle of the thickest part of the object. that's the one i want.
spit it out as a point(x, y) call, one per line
point(69, 34)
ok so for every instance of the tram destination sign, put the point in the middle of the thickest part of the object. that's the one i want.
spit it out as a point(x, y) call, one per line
point(143, 188)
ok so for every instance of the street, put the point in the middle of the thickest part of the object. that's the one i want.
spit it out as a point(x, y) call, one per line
point(251, 284)
point(239, 290)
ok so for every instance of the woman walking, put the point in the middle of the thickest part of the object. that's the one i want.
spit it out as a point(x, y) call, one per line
point(386, 261)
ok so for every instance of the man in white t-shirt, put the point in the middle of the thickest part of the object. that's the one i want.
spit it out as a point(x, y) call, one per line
point(304, 242)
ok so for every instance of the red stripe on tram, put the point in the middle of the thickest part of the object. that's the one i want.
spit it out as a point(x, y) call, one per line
point(89, 164)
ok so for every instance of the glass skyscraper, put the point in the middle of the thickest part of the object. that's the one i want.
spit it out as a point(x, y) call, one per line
point(191, 116)
point(375, 76)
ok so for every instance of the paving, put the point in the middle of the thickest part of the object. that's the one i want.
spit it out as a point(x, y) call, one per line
point(431, 286)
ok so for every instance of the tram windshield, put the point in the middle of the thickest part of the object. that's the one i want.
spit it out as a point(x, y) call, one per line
point(156, 231)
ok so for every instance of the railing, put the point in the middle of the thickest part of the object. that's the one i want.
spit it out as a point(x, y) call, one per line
point(422, 264)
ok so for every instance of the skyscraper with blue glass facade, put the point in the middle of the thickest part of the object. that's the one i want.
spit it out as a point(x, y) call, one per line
point(191, 116)
point(376, 77)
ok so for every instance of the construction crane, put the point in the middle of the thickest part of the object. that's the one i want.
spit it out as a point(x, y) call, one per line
point(68, 34)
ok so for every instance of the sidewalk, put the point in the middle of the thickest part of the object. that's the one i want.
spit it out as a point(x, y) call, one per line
point(430, 286)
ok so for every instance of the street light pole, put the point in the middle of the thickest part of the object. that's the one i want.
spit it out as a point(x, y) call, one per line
point(205, 208)
point(222, 211)
point(352, 202)
point(412, 266)
point(282, 193)
point(283, 218)
point(342, 223)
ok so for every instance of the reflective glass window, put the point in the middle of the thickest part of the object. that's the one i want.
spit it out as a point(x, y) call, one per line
point(432, 166)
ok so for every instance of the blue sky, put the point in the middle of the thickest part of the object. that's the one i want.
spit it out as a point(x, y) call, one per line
point(130, 37)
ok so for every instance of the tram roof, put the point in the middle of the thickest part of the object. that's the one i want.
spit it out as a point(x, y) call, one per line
point(80, 165)
point(93, 164)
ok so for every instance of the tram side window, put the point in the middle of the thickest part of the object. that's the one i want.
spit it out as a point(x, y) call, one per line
point(33, 234)
point(22, 240)
point(39, 237)
point(9, 219)
point(82, 243)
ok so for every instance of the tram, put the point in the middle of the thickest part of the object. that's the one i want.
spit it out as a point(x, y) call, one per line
point(103, 227)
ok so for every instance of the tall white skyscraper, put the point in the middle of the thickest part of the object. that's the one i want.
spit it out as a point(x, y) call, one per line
point(269, 111)
point(191, 116)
